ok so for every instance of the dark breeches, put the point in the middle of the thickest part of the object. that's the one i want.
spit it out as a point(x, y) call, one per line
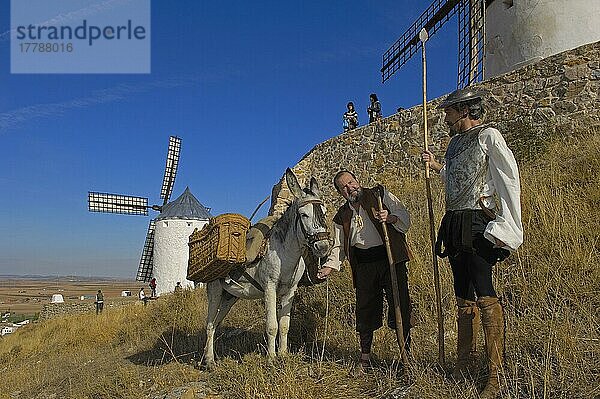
point(472, 271)
point(471, 255)
point(372, 282)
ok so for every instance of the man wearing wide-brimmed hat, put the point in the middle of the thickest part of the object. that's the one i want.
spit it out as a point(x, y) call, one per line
point(482, 225)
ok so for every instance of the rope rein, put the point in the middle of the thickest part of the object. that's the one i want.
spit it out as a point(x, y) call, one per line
point(326, 314)
point(311, 239)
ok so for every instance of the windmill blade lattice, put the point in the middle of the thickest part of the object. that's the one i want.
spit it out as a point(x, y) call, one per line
point(116, 203)
point(170, 168)
point(471, 42)
point(144, 272)
point(407, 45)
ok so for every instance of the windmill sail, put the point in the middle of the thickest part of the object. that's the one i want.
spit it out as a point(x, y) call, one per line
point(130, 205)
point(432, 19)
point(116, 203)
point(471, 40)
point(170, 168)
point(144, 272)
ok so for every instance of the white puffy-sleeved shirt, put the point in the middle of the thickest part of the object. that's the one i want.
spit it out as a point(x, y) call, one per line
point(363, 233)
point(502, 179)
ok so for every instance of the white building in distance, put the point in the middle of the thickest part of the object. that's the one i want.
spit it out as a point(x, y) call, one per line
point(7, 329)
point(57, 298)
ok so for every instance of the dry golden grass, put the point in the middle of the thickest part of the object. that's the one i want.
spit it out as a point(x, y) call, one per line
point(550, 289)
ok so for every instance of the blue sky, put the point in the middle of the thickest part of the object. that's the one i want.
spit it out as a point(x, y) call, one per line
point(250, 87)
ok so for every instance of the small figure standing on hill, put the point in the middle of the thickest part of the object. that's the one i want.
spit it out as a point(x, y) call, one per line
point(178, 287)
point(153, 287)
point(479, 173)
point(350, 117)
point(374, 109)
point(359, 237)
point(99, 302)
point(142, 296)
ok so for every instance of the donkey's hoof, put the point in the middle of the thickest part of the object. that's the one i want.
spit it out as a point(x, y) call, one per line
point(271, 361)
point(283, 354)
point(210, 366)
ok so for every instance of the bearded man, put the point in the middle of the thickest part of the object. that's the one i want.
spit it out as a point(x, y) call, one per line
point(482, 225)
point(358, 235)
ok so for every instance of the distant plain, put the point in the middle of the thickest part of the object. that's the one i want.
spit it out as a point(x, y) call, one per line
point(27, 295)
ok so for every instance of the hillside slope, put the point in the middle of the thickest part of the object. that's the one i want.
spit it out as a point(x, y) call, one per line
point(550, 290)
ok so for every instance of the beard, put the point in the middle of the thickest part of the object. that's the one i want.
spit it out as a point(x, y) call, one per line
point(453, 129)
point(355, 196)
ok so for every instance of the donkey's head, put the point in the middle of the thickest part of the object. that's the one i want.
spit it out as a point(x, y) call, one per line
point(310, 214)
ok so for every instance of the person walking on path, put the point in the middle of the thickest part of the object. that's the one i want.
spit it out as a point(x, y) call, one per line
point(153, 287)
point(359, 237)
point(481, 226)
point(99, 302)
point(142, 296)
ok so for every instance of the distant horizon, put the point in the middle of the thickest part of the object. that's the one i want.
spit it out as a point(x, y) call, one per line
point(63, 277)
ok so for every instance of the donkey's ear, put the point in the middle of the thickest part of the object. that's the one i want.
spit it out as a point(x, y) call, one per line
point(292, 183)
point(314, 187)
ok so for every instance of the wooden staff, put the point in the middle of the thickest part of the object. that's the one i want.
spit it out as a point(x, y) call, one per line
point(395, 291)
point(423, 36)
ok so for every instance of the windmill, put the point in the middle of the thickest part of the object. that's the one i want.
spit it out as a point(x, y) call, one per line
point(471, 38)
point(131, 205)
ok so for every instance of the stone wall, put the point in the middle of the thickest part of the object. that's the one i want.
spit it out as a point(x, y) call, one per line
point(556, 96)
point(52, 310)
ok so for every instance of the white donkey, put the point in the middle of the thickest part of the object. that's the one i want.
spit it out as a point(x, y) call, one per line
point(276, 275)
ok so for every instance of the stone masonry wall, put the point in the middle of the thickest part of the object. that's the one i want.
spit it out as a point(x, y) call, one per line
point(52, 310)
point(556, 96)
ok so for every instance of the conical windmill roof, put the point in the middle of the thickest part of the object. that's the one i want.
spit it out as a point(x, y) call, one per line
point(186, 206)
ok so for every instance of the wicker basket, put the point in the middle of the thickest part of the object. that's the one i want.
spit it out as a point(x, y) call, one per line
point(217, 248)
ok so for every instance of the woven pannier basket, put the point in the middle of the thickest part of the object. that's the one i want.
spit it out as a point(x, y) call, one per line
point(217, 248)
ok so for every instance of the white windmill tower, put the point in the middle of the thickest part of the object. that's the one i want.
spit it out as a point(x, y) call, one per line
point(173, 227)
point(165, 251)
point(498, 36)
point(519, 32)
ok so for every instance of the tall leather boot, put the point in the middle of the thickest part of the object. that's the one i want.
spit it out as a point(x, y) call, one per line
point(466, 345)
point(492, 317)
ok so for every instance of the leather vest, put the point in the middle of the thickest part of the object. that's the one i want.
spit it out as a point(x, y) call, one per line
point(368, 201)
point(466, 170)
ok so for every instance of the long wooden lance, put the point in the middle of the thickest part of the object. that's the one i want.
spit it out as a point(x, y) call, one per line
point(423, 36)
point(395, 291)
